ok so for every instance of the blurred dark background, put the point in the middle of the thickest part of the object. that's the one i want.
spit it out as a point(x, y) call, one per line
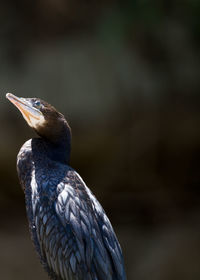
point(126, 75)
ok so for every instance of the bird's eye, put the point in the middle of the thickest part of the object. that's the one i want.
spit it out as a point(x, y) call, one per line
point(37, 104)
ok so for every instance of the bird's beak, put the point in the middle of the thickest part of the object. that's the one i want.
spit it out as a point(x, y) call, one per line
point(29, 112)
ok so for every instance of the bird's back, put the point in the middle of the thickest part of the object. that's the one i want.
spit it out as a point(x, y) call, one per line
point(70, 229)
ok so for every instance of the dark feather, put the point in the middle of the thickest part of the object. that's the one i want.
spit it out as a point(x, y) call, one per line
point(71, 232)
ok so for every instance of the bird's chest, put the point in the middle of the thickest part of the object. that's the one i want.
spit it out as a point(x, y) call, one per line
point(43, 189)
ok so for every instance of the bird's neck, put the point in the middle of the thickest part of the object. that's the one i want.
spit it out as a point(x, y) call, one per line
point(58, 150)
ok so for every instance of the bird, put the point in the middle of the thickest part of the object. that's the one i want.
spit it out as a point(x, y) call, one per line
point(70, 230)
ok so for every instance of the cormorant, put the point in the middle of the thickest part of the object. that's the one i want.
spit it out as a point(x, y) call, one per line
point(69, 228)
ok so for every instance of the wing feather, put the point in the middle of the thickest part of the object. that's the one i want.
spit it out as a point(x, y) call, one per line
point(76, 237)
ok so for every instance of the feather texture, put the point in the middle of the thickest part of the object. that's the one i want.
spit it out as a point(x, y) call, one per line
point(71, 232)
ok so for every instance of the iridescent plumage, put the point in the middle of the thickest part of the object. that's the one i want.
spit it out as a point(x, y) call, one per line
point(70, 230)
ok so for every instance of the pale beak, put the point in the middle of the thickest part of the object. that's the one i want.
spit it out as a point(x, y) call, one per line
point(29, 112)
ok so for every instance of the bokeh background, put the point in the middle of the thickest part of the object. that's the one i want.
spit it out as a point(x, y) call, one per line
point(126, 75)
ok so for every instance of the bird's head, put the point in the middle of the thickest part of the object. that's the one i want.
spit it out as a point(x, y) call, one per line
point(41, 116)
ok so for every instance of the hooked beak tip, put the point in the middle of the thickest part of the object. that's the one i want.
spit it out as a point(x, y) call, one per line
point(8, 95)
